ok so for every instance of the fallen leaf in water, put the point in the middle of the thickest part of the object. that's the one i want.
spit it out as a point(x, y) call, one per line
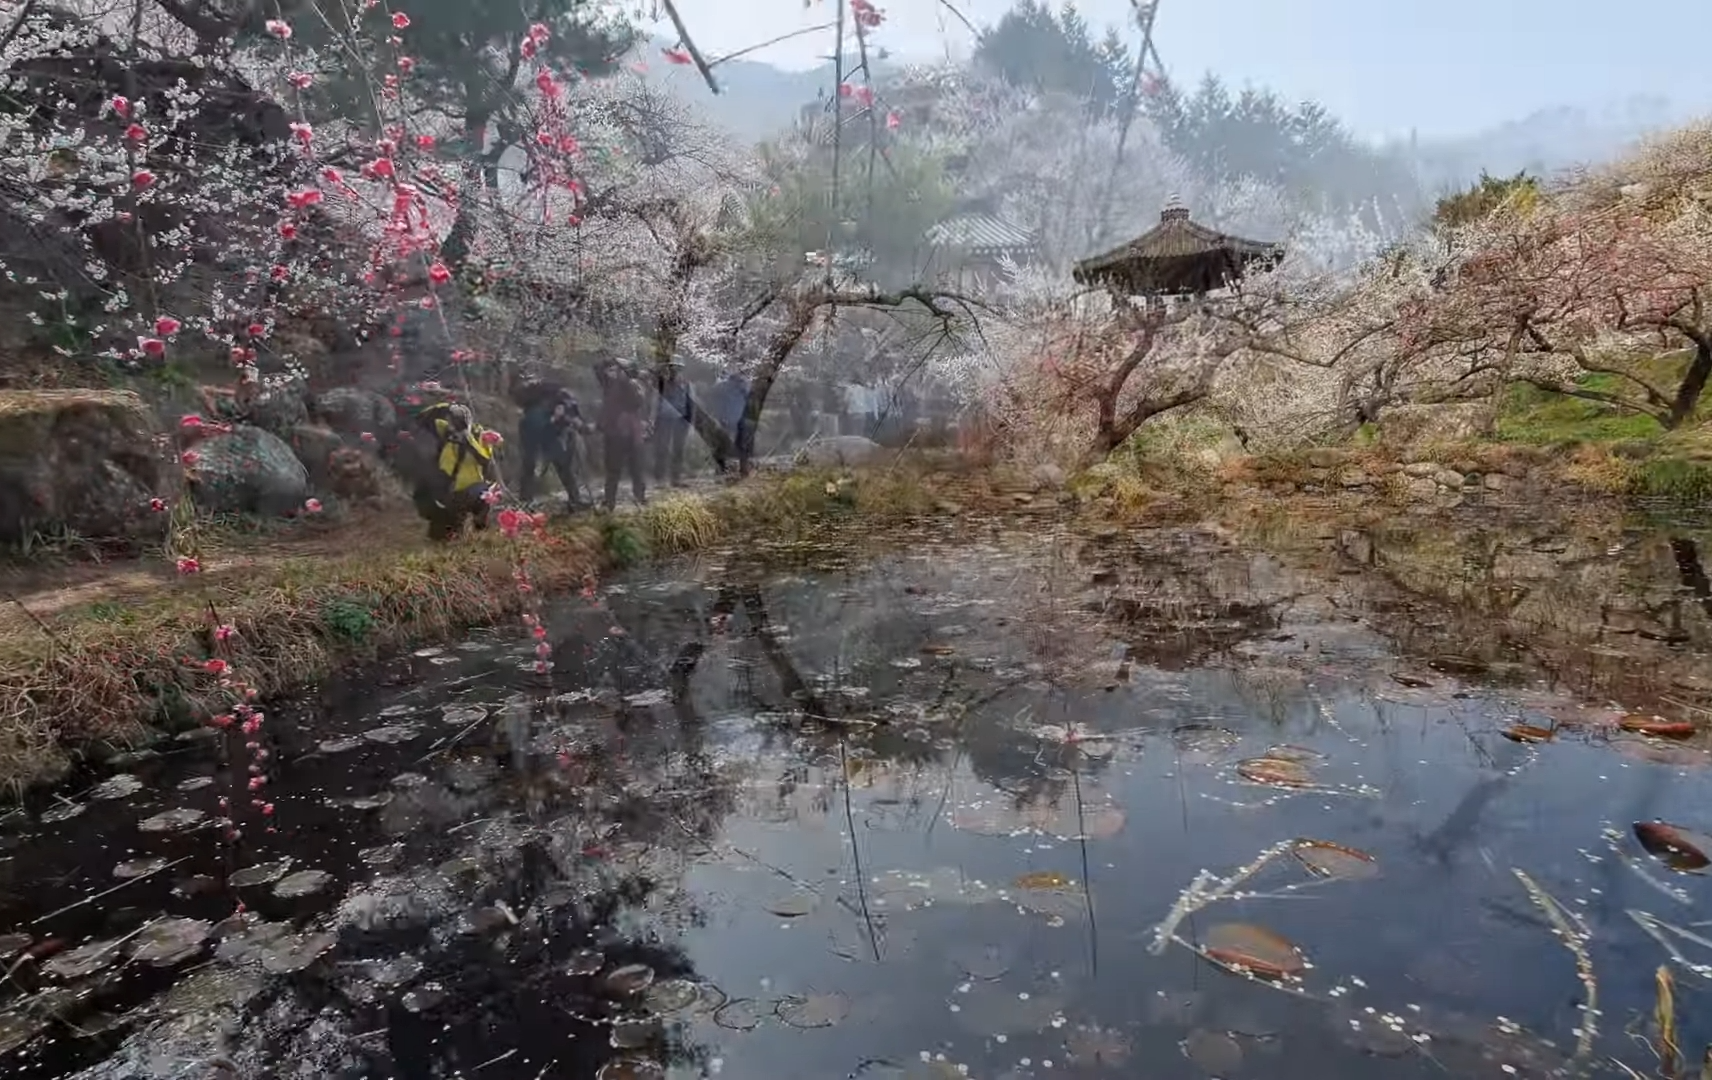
point(1254, 948)
point(463, 715)
point(938, 650)
point(423, 998)
point(116, 787)
point(302, 883)
point(1277, 772)
point(13, 944)
point(171, 820)
point(1411, 681)
point(260, 874)
point(1042, 879)
point(18, 1028)
point(1527, 733)
point(631, 1069)
point(635, 1034)
point(1656, 726)
point(814, 1010)
point(1214, 1052)
point(195, 783)
point(1681, 849)
point(1328, 860)
point(168, 941)
point(339, 746)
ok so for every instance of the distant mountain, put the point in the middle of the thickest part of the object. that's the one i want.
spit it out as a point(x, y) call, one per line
point(756, 100)
point(1546, 142)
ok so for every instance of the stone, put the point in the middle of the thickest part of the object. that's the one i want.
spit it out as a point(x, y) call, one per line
point(1420, 469)
point(315, 446)
point(352, 410)
point(79, 462)
point(1047, 475)
point(1449, 478)
point(1323, 458)
point(278, 409)
point(249, 471)
point(1495, 482)
point(1421, 487)
point(841, 450)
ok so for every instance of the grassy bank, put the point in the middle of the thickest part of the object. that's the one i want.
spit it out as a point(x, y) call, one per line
point(106, 674)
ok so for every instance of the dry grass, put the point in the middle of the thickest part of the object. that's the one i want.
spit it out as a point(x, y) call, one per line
point(103, 672)
point(17, 403)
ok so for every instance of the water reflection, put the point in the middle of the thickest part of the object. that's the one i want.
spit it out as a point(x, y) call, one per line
point(1002, 805)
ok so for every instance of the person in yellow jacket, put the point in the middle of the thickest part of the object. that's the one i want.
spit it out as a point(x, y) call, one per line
point(465, 476)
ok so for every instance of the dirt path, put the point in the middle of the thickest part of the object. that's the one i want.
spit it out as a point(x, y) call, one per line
point(49, 587)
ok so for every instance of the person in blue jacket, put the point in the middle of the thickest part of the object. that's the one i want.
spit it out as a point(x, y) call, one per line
point(730, 402)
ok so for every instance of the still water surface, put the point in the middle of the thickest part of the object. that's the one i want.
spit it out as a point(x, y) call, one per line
point(999, 807)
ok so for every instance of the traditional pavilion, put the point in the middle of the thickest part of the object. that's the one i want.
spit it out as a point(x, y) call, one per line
point(981, 242)
point(1177, 257)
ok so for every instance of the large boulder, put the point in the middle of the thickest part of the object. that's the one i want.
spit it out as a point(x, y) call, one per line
point(352, 410)
point(841, 450)
point(278, 409)
point(315, 446)
point(82, 462)
point(248, 471)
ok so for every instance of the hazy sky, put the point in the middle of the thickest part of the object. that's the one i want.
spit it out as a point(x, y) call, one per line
point(1384, 66)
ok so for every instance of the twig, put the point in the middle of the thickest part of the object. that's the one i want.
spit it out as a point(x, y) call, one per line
point(41, 624)
point(107, 892)
point(856, 852)
point(1206, 889)
point(1574, 934)
point(689, 45)
point(746, 50)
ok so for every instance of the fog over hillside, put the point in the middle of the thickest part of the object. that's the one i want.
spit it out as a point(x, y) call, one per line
point(758, 101)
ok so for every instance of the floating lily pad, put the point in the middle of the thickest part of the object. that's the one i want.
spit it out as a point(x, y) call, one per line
point(383, 855)
point(18, 1028)
point(632, 1068)
point(247, 938)
point(793, 905)
point(428, 652)
point(635, 1034)
point(261, 874)
point(814, 1010)
point(82, 961)
point(13, 944)
point(168, 941)
point(297, 952)
point(1254, 949)
point(116, 787)
point(1090, 1045)
point(195, 783)
point(739, 1014)
point(463, 715)
point(629, 979)
point(1328, 860)
point(992, 1010)
point(302, 883)
point(408, 780)
point(987, 963)
point(1278, 772)
point(395, 972)
point(672, 996)
point(1656, 726)
point(136, 868)
point(424, 997)
point(209, 987)
point(1215, 1052)
point(392, 734)
point(585, 962)
point(62, 812)
point(172, 820)
point(1301, 755)
point(1683, 850)
point(340, 745)
point(370, 802)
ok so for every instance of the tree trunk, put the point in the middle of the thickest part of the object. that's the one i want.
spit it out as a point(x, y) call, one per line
point(1113, 431)
point(778, 351)
point(1693, 385)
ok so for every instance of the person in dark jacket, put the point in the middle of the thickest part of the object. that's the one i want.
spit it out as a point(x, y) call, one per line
point(674, 413)
point(624, 429)
point(730, 402)
point(548, 435)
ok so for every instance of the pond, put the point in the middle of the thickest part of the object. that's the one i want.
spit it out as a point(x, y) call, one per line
point(997, 802)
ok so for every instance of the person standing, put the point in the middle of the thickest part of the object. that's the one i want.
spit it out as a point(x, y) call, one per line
point(730, 408)
point(623, 431)
point(548, 435)
point(674, 412)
